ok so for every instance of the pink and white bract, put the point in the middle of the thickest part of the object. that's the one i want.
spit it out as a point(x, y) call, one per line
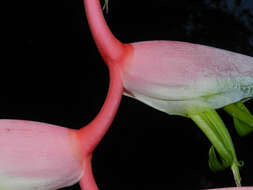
point(183, 79)
point(38, 156)
point(42, 156)
point(174, 77)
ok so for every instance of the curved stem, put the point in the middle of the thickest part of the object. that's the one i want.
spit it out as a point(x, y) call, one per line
point(87, 182)
point(92, 134)
point(110, 48)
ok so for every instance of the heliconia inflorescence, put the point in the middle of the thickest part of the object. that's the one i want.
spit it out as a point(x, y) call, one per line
point(41, 156)
point(173, 77)
point(183, 79)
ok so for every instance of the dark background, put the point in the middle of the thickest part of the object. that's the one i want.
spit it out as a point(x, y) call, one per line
point(51, 72)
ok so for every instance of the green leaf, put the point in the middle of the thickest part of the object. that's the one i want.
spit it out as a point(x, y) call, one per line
point(214, 164)
point(243, 119)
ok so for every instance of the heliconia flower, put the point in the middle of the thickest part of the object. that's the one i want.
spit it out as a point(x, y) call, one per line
point(174, 77)
point(183, 79)
point(40, 156)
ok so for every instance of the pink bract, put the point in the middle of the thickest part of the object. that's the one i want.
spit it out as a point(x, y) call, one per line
point(179, 78)
point(38, 156)
point(173, 76)
point(169, 76)
point(42, 156)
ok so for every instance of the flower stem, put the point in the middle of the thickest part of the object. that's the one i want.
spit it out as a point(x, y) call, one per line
point(236, 173)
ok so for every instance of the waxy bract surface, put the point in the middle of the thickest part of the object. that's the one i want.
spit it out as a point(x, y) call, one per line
point(38, 156)
point(174, 76)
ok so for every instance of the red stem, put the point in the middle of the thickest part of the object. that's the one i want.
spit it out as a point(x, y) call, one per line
point(110, 48)
point(113, 52)
point(92, 134)
point(88, 182)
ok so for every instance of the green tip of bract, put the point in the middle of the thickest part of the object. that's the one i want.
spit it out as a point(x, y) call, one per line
point(214, 163)
point(210, 123)
point(213, 127)
point(243, 119)
point(106, 6)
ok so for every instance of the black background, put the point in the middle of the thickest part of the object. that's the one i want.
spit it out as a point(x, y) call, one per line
point(51, 72)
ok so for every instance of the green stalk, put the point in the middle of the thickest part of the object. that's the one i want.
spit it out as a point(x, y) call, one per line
point(236, 174)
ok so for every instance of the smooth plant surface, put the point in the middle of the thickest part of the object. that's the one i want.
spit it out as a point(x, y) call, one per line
point(183, 79)
point(36, 155)
point(42, 156)
point(42, 146)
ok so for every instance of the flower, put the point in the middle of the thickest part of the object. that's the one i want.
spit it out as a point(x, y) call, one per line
point(183, 79)
point(173, 77)
point(193, 80)
point(38, 156)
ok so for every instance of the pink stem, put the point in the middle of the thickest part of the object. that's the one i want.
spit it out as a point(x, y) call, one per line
point(92, 134)
point(113, 53)
point(88, 182)
point(110, 48)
